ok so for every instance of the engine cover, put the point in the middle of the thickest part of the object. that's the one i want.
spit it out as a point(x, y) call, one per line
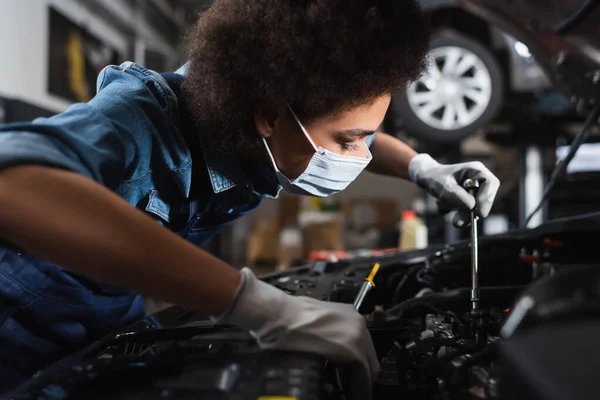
point(196, 362)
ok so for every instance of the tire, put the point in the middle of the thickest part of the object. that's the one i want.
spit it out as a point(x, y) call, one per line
point(483, 82)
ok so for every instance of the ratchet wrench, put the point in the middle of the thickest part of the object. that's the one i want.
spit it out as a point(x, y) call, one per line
point(471, 185)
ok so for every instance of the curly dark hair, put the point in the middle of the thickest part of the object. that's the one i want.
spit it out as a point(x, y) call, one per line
point(321, 57)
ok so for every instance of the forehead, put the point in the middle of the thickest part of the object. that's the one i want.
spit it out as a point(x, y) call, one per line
point(368, 116)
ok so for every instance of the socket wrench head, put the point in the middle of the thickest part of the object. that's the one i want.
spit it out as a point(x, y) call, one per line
point(470, 184)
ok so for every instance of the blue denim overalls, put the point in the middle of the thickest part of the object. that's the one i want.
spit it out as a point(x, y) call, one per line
point(133, 138)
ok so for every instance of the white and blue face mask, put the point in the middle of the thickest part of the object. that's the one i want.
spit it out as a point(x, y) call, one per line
point(327, 173)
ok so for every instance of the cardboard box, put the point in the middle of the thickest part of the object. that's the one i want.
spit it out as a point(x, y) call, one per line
point(362, 213)
point(263, 242)
point(291, 247)
point(289, 209)
point(324, 236)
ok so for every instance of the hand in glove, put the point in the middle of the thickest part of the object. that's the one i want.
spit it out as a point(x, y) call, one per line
point(280, 321)
point(445, 183)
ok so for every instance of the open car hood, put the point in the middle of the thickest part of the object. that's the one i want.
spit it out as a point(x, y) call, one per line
point(563, 35)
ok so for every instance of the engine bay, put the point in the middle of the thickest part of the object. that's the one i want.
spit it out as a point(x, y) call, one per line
point(535, 327)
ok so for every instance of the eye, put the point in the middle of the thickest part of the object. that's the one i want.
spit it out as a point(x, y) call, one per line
point(349, 146)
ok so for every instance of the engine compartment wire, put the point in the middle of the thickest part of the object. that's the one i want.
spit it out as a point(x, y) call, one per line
point(453, 294)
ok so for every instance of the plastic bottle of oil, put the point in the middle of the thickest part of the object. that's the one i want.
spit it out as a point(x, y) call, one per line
point(413, 231)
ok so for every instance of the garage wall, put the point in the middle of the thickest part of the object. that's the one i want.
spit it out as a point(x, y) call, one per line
point(24, 44)
point(377, 186)
point(24, 47)
point(367, 185)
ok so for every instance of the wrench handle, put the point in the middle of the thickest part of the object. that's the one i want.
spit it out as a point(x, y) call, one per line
point(471, 185)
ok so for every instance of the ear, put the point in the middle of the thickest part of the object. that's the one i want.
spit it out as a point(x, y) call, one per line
point(265, 119)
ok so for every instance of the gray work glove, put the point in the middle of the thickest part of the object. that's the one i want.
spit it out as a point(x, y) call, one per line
point(445, 183)
point(280, 321)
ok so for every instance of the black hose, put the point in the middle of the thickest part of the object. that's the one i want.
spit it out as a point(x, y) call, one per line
point(399, 287)
point(398, 274)
point(576, 18)
point(474, 359)
point(442, 361)
point(434, 308)
point(561, 167)
point(448, 343)
point(407, 274)
point(442, 299)
point(490, 351)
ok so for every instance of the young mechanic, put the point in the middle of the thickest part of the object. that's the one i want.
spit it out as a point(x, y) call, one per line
point(276, 95)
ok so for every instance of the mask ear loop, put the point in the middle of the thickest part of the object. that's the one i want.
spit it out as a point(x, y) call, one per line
point(270, 155)
point(303, 129)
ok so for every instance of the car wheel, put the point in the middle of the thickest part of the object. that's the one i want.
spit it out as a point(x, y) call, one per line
point(460, 92)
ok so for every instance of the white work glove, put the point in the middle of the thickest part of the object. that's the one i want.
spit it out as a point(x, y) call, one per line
point(445, 183)
point(333, 330)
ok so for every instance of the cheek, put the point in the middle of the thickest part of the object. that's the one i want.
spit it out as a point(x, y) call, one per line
point(292, 154)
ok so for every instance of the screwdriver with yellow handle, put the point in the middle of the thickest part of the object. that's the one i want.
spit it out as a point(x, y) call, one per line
point(366, 287)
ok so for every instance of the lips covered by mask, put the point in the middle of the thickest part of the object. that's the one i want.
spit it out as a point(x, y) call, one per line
point(326, 174)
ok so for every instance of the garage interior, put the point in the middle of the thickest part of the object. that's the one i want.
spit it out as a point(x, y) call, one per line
point(505, 308)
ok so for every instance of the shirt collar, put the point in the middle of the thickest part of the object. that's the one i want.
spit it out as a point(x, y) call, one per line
point(226, 170)
point(183, 69)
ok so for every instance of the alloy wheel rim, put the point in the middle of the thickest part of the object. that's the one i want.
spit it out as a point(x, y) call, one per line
point(455, 90)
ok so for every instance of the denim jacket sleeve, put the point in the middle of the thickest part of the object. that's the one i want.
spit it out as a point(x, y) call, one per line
point(110, 139)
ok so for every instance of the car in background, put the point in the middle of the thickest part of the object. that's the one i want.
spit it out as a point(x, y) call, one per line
point(473, 70)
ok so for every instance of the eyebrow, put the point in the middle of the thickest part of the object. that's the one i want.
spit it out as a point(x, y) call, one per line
point(355, 132)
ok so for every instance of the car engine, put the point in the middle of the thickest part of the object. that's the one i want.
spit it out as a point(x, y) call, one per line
point(532, 337)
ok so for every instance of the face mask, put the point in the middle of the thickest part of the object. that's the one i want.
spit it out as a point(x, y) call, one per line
point(327, 173)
